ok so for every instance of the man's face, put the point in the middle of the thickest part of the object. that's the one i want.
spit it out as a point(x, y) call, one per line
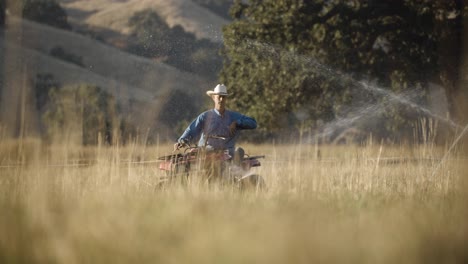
point(220, 101)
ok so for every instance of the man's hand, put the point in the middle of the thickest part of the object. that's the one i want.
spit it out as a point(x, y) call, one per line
point(182, 143)
point(178, 145)
point(233, 128)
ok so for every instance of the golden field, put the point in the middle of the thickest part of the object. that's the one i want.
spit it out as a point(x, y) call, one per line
point(324, 204)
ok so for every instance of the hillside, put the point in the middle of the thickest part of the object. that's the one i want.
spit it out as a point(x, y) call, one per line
point(67, 73)
point(129, 78)
point(153, 94)
point(114, 15)
point(107, 61)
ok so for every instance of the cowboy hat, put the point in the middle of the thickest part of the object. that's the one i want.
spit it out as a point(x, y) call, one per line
point(219, 89)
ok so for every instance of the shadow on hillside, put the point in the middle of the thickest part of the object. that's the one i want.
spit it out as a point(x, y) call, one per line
point(78, 14)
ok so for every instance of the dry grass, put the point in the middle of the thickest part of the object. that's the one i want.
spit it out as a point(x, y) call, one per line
point(350, 204)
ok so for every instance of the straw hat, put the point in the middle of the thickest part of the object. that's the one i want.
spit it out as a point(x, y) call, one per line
point(219, 89)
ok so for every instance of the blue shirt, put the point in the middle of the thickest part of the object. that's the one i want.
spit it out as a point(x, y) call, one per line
point(212, 123)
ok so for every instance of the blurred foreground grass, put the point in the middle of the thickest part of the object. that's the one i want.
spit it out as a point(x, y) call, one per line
point(326, 204)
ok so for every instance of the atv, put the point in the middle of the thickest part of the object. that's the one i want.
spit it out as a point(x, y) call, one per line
point(213, 166)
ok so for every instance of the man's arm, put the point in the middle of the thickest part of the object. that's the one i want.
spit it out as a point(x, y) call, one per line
point(242, 122)
point(193, 131)
point(246, 122)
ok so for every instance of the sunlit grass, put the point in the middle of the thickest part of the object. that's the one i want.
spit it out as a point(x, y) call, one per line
point(358, 204)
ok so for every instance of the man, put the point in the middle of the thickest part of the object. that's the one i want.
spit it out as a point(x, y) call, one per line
point(219, 122)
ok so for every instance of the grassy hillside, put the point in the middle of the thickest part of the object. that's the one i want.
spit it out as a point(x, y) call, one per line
point(107, 61)
point(146, 84)
point(67, 73)
point(114, 15)
point(141, 106)
point(149, 86)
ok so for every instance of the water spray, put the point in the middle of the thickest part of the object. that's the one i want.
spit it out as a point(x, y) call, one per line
point(355, 116)
point(366, 111)
point(450, 150)
point(402, 100)
point(327, 71)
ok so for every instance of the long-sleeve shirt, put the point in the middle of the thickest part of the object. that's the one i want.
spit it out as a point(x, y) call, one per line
point(212, 123)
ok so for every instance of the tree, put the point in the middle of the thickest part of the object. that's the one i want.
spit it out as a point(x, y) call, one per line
point(2, 12)
point(81, 112)
point(178, 108)
point(151, 34)
point(47, 12)
point(43, 84)
point(174, 46)
point(307, 59)
point(62, 54)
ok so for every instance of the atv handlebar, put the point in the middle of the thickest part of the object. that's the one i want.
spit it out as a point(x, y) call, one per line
point(185, 144)
point(180, 145)
point(216, 136)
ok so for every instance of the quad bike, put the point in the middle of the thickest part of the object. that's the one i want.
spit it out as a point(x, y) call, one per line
point(213, 166)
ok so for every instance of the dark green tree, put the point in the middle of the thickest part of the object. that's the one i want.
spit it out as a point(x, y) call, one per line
point(182, 46)
point(43, 84)
point(2, 12)
point(174, 46)
point(82, 112)
point(46, 12)
point(62, 54)
point(292, 61)
point(151, 34)
point(178, 108)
